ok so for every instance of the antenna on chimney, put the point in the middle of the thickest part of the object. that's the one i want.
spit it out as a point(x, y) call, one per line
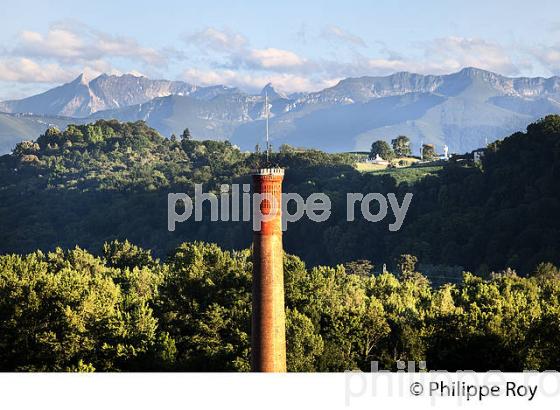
point(266, 114)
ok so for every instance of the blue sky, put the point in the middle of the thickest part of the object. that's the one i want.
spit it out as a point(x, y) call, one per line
point(296, 45)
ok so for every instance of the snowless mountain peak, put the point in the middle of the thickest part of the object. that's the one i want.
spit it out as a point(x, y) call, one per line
point(80, 79)
point(272, 92)
point(459, 110)
point(82, 96)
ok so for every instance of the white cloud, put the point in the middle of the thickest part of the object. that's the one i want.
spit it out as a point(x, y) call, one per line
point(454, 53)
point(549, 57)
point(251, 68)
point(71, 44)
point(66, 50)
point(231, 59)
point(284, 82)
point(217, 39)
point(339, 34)
point(230, 50)
point(26, 70)
point(439, 56)
point(273, 58)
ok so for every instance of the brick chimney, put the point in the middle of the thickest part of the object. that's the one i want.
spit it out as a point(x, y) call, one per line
point(268, 340)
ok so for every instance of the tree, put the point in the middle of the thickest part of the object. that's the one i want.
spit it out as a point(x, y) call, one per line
point(446, 225)
point(546, 271)
point(73, 311)
point(401, 146)
point(26, 148)
point(126, 255)
point(205, 307)
point(303, 342)
point(65, 311)
point(406, 264)
point(382, 149)
point(428, 152)
point(361, 267)
point(186, 135)
point(52, 137)
point(286, 148)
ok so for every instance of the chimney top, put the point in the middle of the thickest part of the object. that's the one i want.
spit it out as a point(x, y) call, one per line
point(268, 171)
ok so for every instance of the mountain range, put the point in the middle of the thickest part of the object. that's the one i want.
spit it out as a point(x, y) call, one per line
point(463, 110)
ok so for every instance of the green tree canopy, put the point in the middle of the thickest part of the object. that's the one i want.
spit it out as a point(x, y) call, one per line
point(429, 152)
point(382, 149)
point(124, 311)
point(401, 146)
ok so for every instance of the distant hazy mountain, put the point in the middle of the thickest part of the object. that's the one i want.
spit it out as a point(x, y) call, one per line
point(81, 98)
point(462, 110)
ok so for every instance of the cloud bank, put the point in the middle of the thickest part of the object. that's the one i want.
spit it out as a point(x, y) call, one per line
point(66, 50)
point(214, 55)
point(231, 59)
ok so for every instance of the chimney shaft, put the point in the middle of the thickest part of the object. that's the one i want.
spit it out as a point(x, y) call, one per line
point(268, 340)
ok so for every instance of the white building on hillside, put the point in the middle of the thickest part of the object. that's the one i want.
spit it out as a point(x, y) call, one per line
point(378, 160)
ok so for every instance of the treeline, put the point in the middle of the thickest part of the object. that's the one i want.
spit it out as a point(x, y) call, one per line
point(94, 183)
point(125, 311)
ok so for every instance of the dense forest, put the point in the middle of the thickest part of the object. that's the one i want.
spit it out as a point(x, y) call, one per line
point(185, 304)
point(125, 311)
point(95, 183)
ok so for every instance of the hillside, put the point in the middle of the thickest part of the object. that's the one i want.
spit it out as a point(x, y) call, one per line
point(186, 306)
point(211, 118)
point(98, 182)
point(16, 127)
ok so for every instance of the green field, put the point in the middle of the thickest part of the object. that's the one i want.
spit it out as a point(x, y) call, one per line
point(405, 174)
